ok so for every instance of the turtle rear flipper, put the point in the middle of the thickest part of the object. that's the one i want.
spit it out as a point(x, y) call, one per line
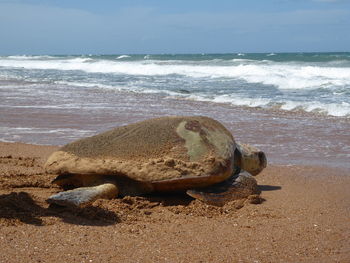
point(84, 195)
point(238, 186)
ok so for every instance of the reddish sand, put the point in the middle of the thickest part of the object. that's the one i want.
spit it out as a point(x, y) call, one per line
point(305, 218)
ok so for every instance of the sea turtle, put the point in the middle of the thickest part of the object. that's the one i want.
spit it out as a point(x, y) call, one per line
point(169, 154)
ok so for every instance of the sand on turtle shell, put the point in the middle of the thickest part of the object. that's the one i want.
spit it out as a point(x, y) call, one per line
point(153, 150)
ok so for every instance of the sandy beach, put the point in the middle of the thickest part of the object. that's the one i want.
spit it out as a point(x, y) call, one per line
point(304, 218)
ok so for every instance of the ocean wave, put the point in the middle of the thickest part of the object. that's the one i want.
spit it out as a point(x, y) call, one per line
point(29, 57)
point(124, 88)
point(333, 109)
point(79, 60)
point(123, 56)
point(16, 134)
point(245, 60)
point(100, 86)
point(281, 75)
point(311, 87)
point(20, 130)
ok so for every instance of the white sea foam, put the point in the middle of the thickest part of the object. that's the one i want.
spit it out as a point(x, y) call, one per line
point(244, 60)
point(87, 84)
point(241, 101)
point(41, 135)
point(127, 88)
point(24, 130)
point(332, 109)
point(338, 110)
point(79, 60)
point(281, 75)
point(123, 56)
point(65, 106)
point(27, 57)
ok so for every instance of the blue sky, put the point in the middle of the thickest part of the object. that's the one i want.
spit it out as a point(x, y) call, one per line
point(181, 26)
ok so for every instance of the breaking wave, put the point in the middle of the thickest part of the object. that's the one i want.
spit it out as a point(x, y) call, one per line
point(242, 80)
point(281, 75)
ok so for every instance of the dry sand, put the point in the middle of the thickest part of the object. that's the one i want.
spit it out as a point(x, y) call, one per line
point(305, 218)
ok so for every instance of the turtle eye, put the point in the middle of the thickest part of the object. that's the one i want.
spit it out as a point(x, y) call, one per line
point(262, 159)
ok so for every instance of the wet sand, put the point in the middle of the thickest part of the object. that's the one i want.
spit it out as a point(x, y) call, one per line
point(304, 218)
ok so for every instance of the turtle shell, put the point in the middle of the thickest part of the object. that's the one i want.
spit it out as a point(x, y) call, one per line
point(169, 152)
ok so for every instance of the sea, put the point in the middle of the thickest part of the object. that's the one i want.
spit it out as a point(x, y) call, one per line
point(295, 106)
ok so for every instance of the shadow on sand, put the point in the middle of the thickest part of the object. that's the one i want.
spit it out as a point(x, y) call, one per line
point(265, 187)
point(20, 206)
point(168, 200)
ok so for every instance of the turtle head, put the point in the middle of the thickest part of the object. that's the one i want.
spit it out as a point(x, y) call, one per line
point(250, 158)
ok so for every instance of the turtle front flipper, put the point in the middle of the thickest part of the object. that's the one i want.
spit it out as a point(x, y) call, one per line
point(83, 196)
point(240, 185)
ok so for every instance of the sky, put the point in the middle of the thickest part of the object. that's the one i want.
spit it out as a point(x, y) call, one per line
point(168, 26)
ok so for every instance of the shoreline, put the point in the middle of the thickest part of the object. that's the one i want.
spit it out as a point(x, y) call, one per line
point(304, 218)
point(287, 137)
